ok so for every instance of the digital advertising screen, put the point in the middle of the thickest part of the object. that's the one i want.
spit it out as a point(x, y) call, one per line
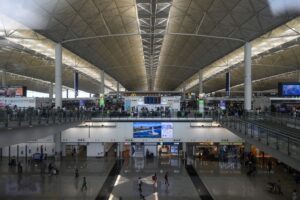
point(14, 91)
point(289, 89)
point(166, 130)
point(152, 130)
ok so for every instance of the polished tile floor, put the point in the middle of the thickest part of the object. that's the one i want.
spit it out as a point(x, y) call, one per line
point(32, 185)
point(181, 186)
point(223, 180)
point(229, 181)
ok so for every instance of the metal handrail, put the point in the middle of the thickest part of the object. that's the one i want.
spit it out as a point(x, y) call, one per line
point(30, 116)
point(189, 119)
point(277, 132)
point(134, 115)
point(282, 118)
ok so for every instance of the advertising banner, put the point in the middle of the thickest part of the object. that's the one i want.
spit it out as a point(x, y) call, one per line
point(201, 105)
point(102, 101)
point(19, 102)
point(127, 105)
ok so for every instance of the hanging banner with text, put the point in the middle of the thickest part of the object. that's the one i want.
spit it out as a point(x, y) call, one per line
point(76, 84)
point(227, 83)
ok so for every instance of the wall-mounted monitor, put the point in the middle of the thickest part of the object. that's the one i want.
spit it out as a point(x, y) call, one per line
point(13, 91)
point(289, 89)
point(152, 130)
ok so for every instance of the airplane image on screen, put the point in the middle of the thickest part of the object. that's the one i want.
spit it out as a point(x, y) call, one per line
point(153, 132)
point(147, 130)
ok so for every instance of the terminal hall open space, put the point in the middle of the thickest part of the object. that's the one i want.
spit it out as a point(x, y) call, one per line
point(150, 99)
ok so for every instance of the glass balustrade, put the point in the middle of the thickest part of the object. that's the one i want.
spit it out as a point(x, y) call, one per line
point(284, 142)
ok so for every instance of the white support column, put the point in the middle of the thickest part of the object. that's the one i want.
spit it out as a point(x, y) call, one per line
point(3, 75)
point(184, 150)
point(58, 76)
point(200, 75)
point(118, 150)
point(75, 84)
point(102, 83)
point(183, 91)
point(51, 91)
point(247, 77)
point(121, 149)
point(118, 89)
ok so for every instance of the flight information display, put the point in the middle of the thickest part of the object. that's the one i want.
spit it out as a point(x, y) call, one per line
point(152, 130)
point(152, 100)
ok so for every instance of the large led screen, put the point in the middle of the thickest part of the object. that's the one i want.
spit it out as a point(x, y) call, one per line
point(152, 130)
point(14, 91)
point(289, 89)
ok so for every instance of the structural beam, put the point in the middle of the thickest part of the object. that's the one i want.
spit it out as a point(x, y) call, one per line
point(247, 77)
point(154, 34)
point(183, 92)
point(58, 76)
point(118, 89)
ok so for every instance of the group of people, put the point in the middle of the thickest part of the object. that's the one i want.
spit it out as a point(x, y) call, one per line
point(49, 112)
point(13, 163)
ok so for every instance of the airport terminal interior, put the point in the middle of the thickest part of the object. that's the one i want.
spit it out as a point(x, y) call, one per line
point(150, 99)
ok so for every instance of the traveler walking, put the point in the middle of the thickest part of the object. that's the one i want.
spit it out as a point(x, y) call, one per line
point(167, 179)
point(269, 166)
point(154, 179)
point(76, 173)
point(20, 168)
point(84, 184)
point(140, 184)
point(278, 187)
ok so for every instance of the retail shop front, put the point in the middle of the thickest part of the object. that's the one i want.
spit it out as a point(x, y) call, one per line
point(208, 150)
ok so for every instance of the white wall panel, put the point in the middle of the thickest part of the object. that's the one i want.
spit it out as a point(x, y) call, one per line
point(95, 150)
point(123, 132)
